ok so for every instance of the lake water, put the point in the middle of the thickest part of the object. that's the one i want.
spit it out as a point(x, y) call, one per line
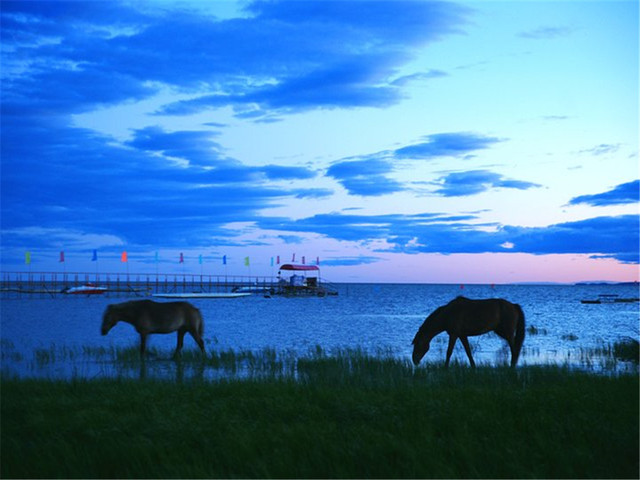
point(368, 317)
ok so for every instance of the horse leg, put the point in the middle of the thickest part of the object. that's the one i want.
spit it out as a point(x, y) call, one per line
point(467, 348)
point(452, 343)
point(143, 343)
point(180, 342)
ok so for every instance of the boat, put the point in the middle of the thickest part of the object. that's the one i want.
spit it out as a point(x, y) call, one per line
point(202, 295)
point(608, 298)
point(304, 281)
point(87, 289)
point(253, 289)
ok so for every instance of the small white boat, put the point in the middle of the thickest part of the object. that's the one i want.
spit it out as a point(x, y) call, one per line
point(200, 295)
point(252, 289)
point(88, 289)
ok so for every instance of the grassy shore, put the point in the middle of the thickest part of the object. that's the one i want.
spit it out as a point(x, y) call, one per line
point(342, 416)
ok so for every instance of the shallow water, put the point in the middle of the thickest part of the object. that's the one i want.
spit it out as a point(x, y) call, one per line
point(59, 337)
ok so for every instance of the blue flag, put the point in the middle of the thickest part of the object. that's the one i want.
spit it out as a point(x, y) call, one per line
point(224, 259)
point(95, 256)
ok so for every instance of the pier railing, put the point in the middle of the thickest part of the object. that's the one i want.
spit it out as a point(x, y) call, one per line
point(52, 284)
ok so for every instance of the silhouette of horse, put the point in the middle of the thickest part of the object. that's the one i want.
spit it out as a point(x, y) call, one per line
point(462, 317)
point(152, 317)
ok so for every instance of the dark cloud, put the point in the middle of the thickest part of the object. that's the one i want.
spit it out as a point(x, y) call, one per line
point(618, 237)
point(602, 149)
point(446, 145)
point(75, 56)
point(311, 192)
point(65, 58)
point(613, 237)
point(473, 182)
point(368, 175)
point(350, 261)
point(365, 177)
point(372, 186)
point(76, 179)
point(359, 168)
point(278, 172)
point(622, 194)
point(414, 77)
point(546, 33)
point(196, 147)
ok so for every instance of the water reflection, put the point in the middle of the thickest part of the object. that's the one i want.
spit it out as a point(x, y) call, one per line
point(66, 363)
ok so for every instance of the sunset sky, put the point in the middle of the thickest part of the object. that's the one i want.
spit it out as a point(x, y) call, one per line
point(439, 142)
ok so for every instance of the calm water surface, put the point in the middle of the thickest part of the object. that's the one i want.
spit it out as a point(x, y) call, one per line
point(369, 317)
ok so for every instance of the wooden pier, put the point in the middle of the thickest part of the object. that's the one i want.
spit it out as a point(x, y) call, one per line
point(82, 284)
point(54, 284)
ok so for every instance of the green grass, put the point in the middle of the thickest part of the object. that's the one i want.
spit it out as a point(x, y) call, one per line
point(342, 414)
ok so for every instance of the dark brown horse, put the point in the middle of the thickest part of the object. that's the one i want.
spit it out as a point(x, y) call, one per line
point(151, 317)
point(462, 318)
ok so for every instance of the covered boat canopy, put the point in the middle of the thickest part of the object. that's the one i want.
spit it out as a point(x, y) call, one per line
point(290, 266)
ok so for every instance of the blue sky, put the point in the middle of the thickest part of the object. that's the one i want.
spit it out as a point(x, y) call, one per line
point(397, 141)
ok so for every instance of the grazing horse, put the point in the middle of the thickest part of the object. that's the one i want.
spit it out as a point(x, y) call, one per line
point(462, 317)
point(151, 317)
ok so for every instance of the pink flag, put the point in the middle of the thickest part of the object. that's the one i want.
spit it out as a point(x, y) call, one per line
point(278, 260)
point(181, 258)
point(61, 257)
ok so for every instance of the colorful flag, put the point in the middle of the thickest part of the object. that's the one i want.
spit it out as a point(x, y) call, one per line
point(181, 258)
point(246, 261)
point(27, 258)
point(224, 259)
point(61, 257)
point(123, 257)
point(94, 258)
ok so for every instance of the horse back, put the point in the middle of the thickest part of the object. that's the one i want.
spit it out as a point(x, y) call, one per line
point(475, 317)
point(168, 316)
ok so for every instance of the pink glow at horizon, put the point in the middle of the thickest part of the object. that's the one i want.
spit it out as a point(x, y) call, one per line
point(488, 268)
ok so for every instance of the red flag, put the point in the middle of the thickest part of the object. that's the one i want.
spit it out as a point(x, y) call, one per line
point(181, 258)
point(123, 257)
point(61, 257)
point(278, 260)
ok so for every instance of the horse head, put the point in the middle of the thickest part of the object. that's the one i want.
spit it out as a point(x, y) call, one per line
point(109, 319)
point(427, 331)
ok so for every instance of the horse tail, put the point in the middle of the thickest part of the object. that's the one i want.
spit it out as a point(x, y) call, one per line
point(199, 321)
point(520, 331)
